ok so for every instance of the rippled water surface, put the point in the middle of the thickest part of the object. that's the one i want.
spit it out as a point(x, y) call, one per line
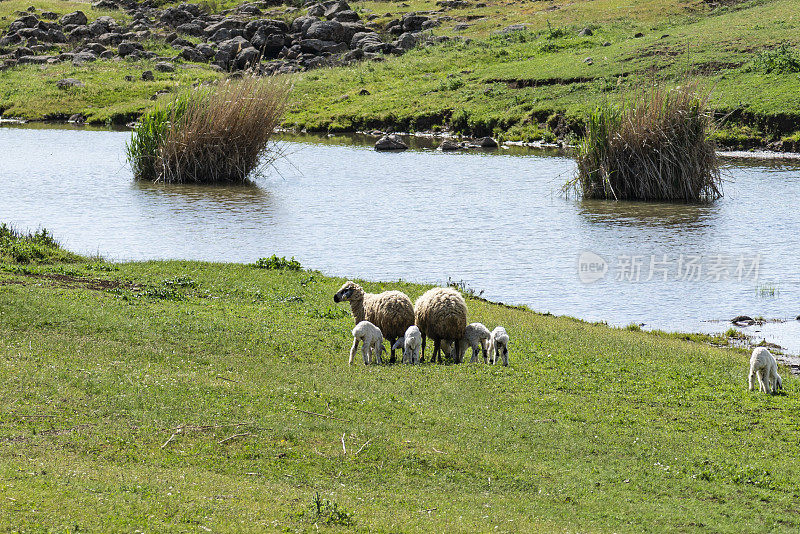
point(496, 220)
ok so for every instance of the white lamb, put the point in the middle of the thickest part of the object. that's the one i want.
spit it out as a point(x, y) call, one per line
point(763, 364)
point(372, 339)
point(410, 342)
point(476, 335)
point(498, 345)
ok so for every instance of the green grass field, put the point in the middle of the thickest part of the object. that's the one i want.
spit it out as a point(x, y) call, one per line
point(197, 397)
point(528, 85)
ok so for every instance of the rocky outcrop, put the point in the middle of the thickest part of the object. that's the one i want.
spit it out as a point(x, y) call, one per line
point(328, 33)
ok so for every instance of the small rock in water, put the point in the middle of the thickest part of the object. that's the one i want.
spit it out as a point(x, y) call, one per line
point(76, 119)
point(390, 142)
point(449, 144)
point(743, 320)
point(485, 142)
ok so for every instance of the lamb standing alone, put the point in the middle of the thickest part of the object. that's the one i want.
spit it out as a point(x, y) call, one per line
point(763, 364)
point(410, 343)
point(391, 311)
point(372, 339)
point(498, 345)
point(441, 314)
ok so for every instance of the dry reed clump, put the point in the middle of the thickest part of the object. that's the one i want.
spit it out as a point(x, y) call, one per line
point(655, 149)
point(211, 135)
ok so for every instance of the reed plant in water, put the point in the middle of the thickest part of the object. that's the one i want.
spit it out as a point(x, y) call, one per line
point(217, 134)
point(654, 148)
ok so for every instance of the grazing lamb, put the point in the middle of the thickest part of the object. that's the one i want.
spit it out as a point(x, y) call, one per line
point(763, 364)
point(498, 345)
point(372, 339)
point(391, 311)
point(476, 335)
point(410, 343)
point(441, 314)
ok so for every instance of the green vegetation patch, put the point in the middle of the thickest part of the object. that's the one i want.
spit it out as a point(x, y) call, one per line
point(27, 248)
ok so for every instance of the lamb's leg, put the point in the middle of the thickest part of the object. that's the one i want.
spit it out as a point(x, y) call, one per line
point(505, 357)
point(474, 358)
point(353, 350)
point(415, 356)
point(378, 350)
point(751, 379)
point(762, 380)
point(391, 344)
point(365, 350)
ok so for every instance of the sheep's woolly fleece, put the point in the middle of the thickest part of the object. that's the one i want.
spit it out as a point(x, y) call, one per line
point(391, 311)
point(441, 313)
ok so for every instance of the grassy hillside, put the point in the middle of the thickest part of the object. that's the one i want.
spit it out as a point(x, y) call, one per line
point(183, 396)
point(530, 84)
point(525, 83)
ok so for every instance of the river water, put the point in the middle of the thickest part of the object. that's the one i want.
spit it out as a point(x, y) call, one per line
point(495, 220)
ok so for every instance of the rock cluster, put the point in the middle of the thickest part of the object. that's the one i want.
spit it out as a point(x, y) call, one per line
point(329, 33)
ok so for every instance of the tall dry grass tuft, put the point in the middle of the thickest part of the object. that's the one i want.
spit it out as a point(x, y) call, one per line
point(213, 135)
point(655, 148)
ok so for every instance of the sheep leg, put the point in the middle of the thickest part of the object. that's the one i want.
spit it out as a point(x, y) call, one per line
point(436, 358)
point(365, 350)
point(505, 357)
point(751, 379)
point(422, 354)
point(353, 350)
point(391, 344)
point(762, 381)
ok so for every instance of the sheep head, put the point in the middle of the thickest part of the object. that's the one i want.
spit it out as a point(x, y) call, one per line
point(350, 291)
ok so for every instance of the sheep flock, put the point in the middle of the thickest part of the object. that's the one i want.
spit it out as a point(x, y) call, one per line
point(440, 315)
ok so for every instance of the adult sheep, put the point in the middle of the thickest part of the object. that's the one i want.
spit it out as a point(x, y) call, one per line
point(391, 311)
point(441, 314)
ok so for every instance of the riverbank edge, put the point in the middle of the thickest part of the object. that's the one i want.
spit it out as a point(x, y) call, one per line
point(52, 251)
point(732, 151)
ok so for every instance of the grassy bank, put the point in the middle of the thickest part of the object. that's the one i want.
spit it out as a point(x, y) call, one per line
point(533, 84)
point(185, 396)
